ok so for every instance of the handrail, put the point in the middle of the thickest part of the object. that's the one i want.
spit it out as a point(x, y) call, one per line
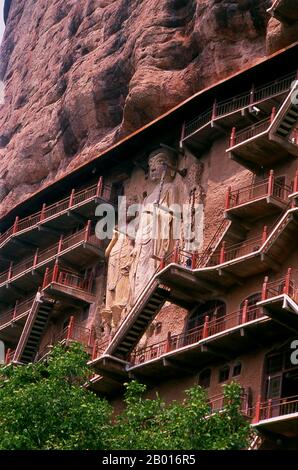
point(236, 103)
point(251, 131)
point(276, 407)
point(42, 257)
point(69, 279)
point(72, 333)
point(19, 310)
point(266, 187)
point(208, 329)
point(75, 198)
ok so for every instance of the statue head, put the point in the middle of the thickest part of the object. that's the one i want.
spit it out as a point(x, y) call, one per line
point(159, 161)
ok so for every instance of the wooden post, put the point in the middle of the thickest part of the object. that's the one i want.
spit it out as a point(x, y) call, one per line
point(7, 356)
point(233, 137)
point(15, 225)
point(60, 244)
point(35, 258)
point(9, 274)
point(99, 187)
point(258, 410)
point(206, 327)
point(244, 312)
point(222, 253)
point(265, 288)
point(271, 183)
point(45, 278)
point(176, 254)
point(273, 114)
point(269, 409)
point(252, 95)
point(169, 342)
point(194, 260)
point(55, 272)
point(15, 310)
point(264, 234)
point(71, 198)
point(214, 110)
point(42, 212)
point(162, 263)
point(287, 285)
point(90, 338)
point(295, 189)
point(94, 350)
point(70, 328)
point(88, 231)
point(182, 133)
point(228, 198)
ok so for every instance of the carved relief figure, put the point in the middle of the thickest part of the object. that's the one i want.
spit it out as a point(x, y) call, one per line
point(119, 258)
point(154, 238)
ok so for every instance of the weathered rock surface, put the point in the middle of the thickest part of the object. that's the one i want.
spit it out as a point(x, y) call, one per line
point(80, 74)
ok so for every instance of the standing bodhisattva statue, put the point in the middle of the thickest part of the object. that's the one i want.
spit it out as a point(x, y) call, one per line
point(154, 238)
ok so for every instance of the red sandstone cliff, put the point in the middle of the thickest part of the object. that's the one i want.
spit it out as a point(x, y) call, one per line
point(80, 74)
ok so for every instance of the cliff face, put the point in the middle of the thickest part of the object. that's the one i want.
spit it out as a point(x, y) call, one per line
point(80, 74)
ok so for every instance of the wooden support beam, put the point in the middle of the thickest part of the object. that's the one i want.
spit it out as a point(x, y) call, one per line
point(219, 352)
point(23, 244)
point(230, 277)
point(250, 165)
point(77, 217)
point(51, 230)
point(270, 262)
point(16, 290)
point(170, 363)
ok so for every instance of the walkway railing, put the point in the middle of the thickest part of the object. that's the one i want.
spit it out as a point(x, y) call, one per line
point(209, 328)
point(69, 279)
point(276, 407)
point(73, 332)
point(20, 309)
point(9, 356)
point(285, 285)
point(249, 132)
point(47, 212)
point(44, 256)
point(218, 402)
point(236, 103)
point(266, 187)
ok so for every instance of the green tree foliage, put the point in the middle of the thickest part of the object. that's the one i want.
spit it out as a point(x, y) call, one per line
point(46, 406)
point(188, 425)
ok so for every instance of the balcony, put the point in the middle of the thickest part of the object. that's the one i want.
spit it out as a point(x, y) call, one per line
point(78, 249)
point(74, 332)
point(53, 220)
point(285, 11)
point(184, 280)
point(224, 337)
point(268, 142)
point(278, 416)
point(279, 300)
point(215, 121)
point(252, 202)
point(68, 286)
point(12, 321)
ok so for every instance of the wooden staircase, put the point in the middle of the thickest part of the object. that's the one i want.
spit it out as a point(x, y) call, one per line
point(33, 330)
point(141, 315)
point(286, 118)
